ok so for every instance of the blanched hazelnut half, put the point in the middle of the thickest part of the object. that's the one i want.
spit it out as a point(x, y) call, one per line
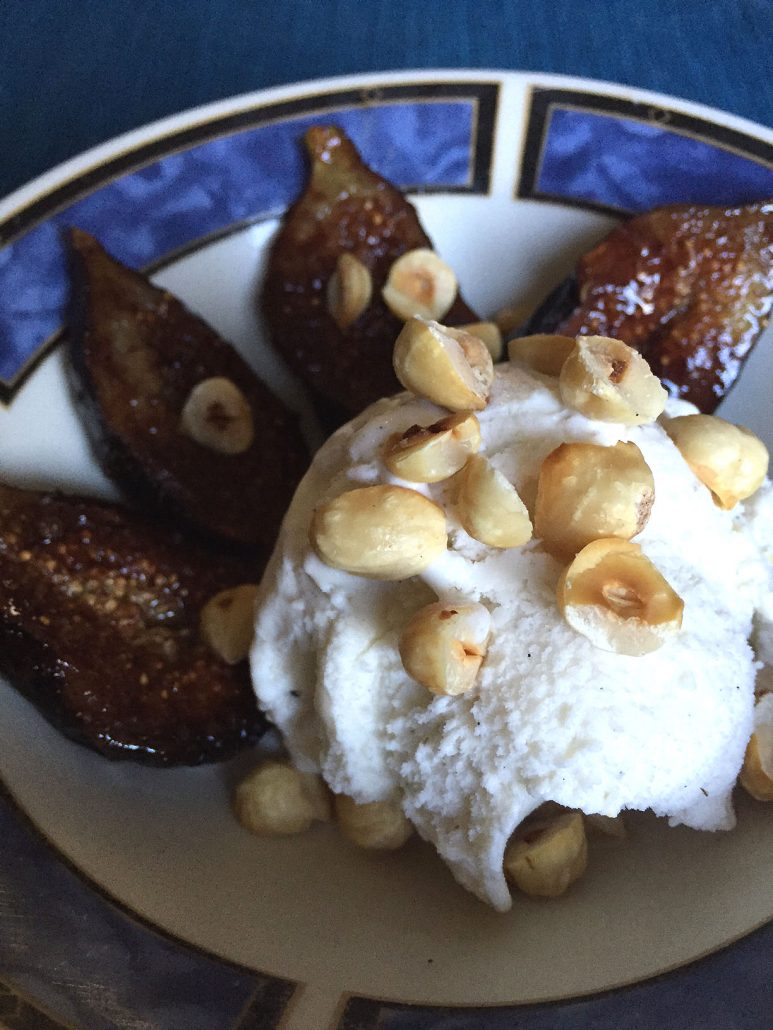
point(384, 532)
point(276, 799)
point(489, 506)
point(730, 460)
point(545, 857)
point(614, 596)
point(429, 454)
point(491, 335)
point(757, 772)
point(607, 380)
point(586, 491)
point(218, 416)
point(448, 366)
point(420, 283)
point(349, 290)
point(227, 622)
point(443, 646)
point(542, 352)
point(378, 825)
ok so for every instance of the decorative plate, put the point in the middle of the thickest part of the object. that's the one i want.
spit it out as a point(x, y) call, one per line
point(130, 896)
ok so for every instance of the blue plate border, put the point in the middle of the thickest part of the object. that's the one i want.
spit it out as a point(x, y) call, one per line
point(186, 186)
point(485, 93)
point(679, 157)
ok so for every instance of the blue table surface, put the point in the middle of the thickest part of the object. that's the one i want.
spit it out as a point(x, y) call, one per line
point(74, 73)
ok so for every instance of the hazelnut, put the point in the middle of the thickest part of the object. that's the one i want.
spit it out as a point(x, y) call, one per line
point(227, 620)
point(586, 491)
point(420, 283)
point(607, 380)
point(384, 532)
point(609, 825)
point(491, 335)
point(489, 507)
point(349, 290)
point(448, 366)
point(728, 459)
point(511, 316)
point(544, 857)
point(443, 646)
point(542, 352)
point(429, 454)
point(218, 416)
point(377, 825)
point(614, 596)
point(757, 772)
point(276, 799)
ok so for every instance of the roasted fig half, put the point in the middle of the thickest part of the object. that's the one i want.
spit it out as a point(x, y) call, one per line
point(689, 287)
point(177, 417)
point(329, 319)
point(99, 615)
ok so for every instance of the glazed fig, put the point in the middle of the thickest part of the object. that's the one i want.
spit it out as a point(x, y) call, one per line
point(689, 287)
point(178, 419)
point(346, 208)
point(99, 628)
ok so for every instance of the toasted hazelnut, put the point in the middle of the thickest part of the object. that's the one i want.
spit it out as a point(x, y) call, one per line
point(542, 352)
point(227, 621)
point(491, 335)
point(384, 532)
point(607, 380)
point(757, 772)
point(320, 798)
point(377, 825)
point(730, 460)
point(511, 316)
point(420, 283)
point(609, 825)
point(429, 454)
point(489, 507)
point(443, 646)
point(276, 799)
point(614, 596)
point(217, 415)
point(349, 290)
point(447, 366)
point(586, 491)
point(543, 858)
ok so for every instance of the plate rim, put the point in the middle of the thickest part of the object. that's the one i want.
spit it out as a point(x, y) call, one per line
point(91, 159)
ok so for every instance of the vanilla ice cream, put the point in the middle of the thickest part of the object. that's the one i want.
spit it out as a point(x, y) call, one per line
point(551, 717)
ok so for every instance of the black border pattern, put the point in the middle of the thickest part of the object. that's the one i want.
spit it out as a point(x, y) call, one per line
point(485, 93)
point(544, 101)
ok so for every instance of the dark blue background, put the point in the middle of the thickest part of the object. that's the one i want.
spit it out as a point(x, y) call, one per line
point(73, 73)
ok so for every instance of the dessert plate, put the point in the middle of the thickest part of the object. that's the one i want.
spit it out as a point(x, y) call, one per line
point(514, 175)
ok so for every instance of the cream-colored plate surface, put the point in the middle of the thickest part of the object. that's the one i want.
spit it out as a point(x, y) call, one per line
point(312, 908)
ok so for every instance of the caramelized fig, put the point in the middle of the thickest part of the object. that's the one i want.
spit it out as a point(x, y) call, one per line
point(689, 287)
point(177, 417)
point(345, 209)
point(99, 614)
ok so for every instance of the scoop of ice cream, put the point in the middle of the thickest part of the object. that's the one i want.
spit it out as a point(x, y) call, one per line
point(551, 717)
